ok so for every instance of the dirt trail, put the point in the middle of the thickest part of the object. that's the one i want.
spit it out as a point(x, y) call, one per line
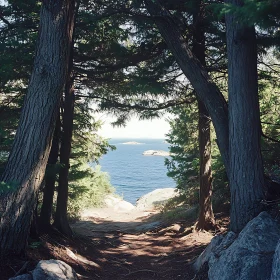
point(137, 245)
point(120, 245)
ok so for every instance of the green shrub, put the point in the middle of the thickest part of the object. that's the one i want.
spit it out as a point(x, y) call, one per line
point(89, 190)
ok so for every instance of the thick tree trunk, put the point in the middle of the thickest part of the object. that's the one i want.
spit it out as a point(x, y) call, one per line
point(50, 179)
point(27, 162)
point(246, 169)
point(61, 220)
point(205, 88)
point(206, 220)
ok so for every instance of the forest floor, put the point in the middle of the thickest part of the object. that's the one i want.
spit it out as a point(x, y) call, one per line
point(122, 245)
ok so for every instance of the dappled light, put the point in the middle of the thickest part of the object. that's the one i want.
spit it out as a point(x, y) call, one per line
point(195, 195)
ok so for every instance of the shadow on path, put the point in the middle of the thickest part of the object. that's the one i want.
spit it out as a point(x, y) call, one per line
point(141, 249)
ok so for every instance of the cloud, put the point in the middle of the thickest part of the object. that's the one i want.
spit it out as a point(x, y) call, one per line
point(156, 128)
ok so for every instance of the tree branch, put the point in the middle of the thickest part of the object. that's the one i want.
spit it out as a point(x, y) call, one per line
point(269, 138)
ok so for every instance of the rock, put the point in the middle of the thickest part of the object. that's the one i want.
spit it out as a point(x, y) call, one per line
point(249, 257)
point(205, 255)
point(217, 251)
point(53, 270)
point(22, 277)
point(124, 206)
point(117, 204)
point(50, 270)
point(218, 244)
point(275, 274)
point(155, 198)
point(131, 143)
point(156, 153)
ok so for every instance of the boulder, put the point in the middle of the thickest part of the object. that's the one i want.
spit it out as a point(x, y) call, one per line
point(118, 204)
point(156, 153)
point(50, 270)
point(218, 244)
point(155, 199)
point(123, 206)
point(250, 255)
point(275, 274)
point(132, 143)
point(53, 270)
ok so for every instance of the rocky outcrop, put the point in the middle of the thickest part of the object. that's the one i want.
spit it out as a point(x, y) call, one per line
point(218, 244)
point(155, 198)
point(117, 204)
point(50, 270)
point(275, 274)
point(132, 143)
point(156, 153)
point(247, 256)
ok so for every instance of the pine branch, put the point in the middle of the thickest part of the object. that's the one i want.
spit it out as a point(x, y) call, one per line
point(119, 105)
point(269, 138)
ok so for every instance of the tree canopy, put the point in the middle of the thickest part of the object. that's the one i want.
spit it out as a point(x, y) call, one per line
point(213, 65)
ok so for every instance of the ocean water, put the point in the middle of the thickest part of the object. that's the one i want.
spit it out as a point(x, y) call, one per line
point(133, 174)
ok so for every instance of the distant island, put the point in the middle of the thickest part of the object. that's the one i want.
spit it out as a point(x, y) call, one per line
point(132, 143)
point(156, 153)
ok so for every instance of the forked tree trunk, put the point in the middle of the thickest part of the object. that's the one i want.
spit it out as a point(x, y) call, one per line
point(206, 220)
point(61, 220)
point(50, 179)
point(28, 158)
point(246, 177)
point(239, 146)
point(206, 90)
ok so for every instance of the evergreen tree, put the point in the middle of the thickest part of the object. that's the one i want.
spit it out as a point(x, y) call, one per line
point(30, 151)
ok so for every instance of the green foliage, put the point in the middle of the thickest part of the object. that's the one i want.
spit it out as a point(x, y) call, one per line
point(87, 191)
point(263, 12)
point(17, 45)
point(269, 107)
point(183, 165)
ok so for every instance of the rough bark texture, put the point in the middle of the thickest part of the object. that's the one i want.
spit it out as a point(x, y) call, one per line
point(206, 220)
point(205, 89)
point(246, 169)
point(30, 151)
point(61, 220)
point(50, 179)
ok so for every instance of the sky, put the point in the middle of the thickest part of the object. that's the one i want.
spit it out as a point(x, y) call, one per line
point(156, 128)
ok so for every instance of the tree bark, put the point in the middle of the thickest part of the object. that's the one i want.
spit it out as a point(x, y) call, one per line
point(61, 219)
point(246, 169)
point(50, 179)
point(28, 158)
point(206, 90)
point(206, 220)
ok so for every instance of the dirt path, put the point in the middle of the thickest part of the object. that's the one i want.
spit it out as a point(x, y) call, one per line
point(115, 245)
point(137, 245)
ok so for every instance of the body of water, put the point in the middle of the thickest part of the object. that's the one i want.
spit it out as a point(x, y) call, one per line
point(133, 174)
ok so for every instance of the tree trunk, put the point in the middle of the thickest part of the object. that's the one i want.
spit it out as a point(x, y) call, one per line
point(205, 88)
point(61, 220)
point(50, 179)
point(28, 158)
point(246, 169)
point(206, 220)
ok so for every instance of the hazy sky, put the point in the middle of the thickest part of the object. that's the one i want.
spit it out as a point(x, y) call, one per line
point(156, 128)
